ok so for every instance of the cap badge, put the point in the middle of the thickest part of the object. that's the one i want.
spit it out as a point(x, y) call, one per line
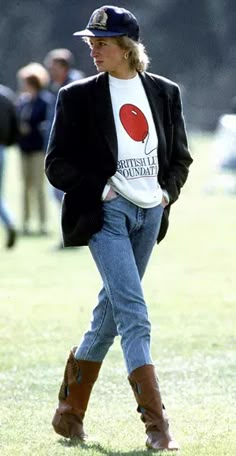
point(99, 20)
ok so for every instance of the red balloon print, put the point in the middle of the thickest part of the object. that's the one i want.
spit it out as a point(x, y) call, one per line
point(134, 122)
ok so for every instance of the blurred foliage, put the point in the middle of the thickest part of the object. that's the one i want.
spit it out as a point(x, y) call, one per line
point(190, 42)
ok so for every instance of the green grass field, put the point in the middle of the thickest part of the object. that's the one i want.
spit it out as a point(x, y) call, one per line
point(46, 298)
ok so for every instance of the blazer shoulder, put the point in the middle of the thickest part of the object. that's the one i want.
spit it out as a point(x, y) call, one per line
point(163, 82)
point(75, 86)
point(77, 91)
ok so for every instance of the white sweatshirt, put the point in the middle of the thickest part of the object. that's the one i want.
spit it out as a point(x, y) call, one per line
point(137, 167)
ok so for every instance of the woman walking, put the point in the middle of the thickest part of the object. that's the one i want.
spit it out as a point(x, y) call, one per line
point(118, 150)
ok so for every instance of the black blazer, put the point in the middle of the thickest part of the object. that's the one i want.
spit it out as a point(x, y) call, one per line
point(82, 151)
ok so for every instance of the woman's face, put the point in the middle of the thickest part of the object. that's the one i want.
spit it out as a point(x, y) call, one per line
point(108, 56)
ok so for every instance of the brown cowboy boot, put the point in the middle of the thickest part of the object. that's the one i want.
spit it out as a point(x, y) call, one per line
point(79, 378)
point(146, 391)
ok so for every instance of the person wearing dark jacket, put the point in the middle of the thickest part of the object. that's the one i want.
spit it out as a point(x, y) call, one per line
point(59, 63)
point(32, 110)
point(8, 137)
point(118, 149)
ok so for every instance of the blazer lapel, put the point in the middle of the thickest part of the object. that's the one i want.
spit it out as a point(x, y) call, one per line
point(104, 112)
point(155, 97)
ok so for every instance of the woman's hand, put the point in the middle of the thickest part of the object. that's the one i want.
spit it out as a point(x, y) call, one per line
point(165, 199)
point(110, 195)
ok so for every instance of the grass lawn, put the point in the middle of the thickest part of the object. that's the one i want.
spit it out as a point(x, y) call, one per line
point(46, 298)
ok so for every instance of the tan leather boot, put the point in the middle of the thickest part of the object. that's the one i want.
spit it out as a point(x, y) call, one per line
point(146, 391)
point(79, 378)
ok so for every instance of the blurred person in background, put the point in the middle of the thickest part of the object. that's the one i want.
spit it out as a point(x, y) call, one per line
point(8, 137)
point(224, 154)
point(226, 135)
point(32, 106)
point(59, 63)
point(119, 151)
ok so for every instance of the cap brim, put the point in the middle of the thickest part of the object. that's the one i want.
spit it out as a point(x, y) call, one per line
point(97, 33)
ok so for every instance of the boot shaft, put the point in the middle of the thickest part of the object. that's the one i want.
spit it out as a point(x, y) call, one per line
point(79, 378)
point(145, 386)
point(74, 394)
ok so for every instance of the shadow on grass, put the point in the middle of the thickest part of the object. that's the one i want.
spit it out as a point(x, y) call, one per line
point(102, 450)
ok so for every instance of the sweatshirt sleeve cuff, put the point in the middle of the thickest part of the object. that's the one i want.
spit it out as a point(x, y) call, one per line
point(105, 191)
point(166, 196)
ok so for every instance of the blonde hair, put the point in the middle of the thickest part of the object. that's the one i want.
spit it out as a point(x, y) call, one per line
point(35, 73)
point(137, 54)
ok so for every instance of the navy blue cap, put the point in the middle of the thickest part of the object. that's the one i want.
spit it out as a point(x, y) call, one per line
point(108, 21)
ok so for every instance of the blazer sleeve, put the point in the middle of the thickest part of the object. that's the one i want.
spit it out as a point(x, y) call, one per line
point(61, 163)
point(60, 170)
point(180, 158)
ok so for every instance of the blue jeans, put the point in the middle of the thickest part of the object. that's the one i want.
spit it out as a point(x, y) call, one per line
point(121, 251)
point(5, 215)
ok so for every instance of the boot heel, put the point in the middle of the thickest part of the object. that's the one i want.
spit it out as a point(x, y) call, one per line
point(68, 426)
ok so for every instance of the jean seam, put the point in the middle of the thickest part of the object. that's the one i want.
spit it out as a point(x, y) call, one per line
point(108, 285)
point(97, 332)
